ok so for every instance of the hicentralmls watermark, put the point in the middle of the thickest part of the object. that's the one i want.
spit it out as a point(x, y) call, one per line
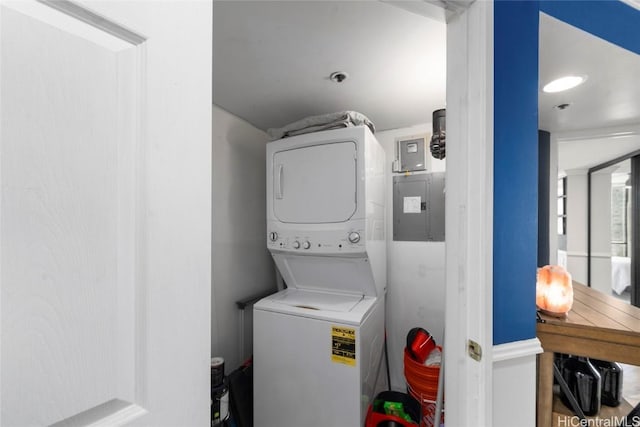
point(573, 421)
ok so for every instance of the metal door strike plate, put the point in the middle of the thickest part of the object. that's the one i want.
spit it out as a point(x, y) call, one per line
point(475, 350)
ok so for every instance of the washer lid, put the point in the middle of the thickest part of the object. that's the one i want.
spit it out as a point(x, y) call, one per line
point(316, 300)
point(332, 274)
point(319, 305)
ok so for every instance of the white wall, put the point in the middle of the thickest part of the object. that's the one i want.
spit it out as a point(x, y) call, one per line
point(241, 265)
point(577, 224)
point(415, 271)
point(601, 231)
point(553, 200)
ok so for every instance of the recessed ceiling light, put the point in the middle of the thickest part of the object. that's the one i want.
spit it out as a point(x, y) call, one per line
point(563, 83)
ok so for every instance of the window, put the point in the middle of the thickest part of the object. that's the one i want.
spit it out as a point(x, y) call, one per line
point(620, 214)
point(562, 206)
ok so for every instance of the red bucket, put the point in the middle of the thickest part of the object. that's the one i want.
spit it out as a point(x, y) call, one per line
point(422, 381)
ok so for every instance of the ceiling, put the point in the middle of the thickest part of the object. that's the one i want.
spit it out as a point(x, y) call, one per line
point(272, 61)
point(611, 94)
point(602, 120)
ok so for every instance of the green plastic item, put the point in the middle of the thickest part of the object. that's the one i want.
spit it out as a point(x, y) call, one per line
point(397, 410)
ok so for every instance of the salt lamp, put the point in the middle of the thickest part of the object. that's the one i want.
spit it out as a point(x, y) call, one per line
point(554, 292)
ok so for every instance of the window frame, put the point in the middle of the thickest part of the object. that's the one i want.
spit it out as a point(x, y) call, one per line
point(562, 196)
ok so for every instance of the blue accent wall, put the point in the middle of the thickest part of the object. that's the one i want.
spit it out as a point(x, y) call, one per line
point(515, 194)
point(515, 237)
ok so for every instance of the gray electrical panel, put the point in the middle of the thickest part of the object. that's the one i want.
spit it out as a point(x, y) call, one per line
point(418, 207)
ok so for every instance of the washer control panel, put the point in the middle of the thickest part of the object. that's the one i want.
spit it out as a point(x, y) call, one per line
point(316, 241)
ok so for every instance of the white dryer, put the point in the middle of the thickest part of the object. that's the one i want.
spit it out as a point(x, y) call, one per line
point(318, 345)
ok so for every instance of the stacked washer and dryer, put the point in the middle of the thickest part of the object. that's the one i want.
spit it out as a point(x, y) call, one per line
point(318, 344)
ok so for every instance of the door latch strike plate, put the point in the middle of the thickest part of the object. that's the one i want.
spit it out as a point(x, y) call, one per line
point(475, 350)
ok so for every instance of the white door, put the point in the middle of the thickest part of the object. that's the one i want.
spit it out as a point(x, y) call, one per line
point(315, 184)
point(105, 180)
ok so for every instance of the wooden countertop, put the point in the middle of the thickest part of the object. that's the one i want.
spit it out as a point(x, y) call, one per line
point(599, 326)
point(607, 326)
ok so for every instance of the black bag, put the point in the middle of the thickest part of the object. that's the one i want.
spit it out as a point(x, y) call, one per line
point(241, 395)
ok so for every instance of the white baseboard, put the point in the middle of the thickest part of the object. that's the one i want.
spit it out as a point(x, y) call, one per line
point(516, 349)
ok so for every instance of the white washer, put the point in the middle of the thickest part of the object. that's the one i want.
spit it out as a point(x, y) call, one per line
point(318, 345)
point(316, 366)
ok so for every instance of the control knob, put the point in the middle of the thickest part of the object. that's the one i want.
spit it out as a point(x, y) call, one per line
point(273, 236)
point(306, 245)
point(296, 245)
point(354, 237)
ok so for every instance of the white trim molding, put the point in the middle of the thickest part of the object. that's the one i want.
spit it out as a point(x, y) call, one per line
point(600, 255)
point(576, 172)
point(584, 254)
point(576, 254)
point(601, 133)
point(516, 349)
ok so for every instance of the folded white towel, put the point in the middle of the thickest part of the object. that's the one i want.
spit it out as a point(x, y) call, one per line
point(321, 122)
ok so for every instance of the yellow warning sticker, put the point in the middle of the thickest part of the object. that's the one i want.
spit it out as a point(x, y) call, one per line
point(343, 345)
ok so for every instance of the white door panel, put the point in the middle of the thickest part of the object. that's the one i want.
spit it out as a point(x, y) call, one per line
point(75, 218)
point(62, 296)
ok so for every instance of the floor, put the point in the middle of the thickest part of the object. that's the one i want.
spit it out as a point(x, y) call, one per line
point(607, 416)
point(631, 376)
point(624, 296)
point(630, 394)
point(631, 384)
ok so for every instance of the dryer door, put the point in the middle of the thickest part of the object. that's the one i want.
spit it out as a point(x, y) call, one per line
point(315, 184)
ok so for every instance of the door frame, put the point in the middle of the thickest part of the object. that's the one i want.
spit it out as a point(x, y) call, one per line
point(634, 157)
point(469, 210)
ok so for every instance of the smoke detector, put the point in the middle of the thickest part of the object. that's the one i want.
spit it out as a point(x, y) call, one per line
point(338, 76)
point(562, 106)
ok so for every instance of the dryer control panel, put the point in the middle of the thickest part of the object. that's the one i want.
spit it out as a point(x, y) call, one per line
point(317, 242)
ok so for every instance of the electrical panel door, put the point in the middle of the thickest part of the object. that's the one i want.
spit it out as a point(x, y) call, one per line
point(418, 207)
